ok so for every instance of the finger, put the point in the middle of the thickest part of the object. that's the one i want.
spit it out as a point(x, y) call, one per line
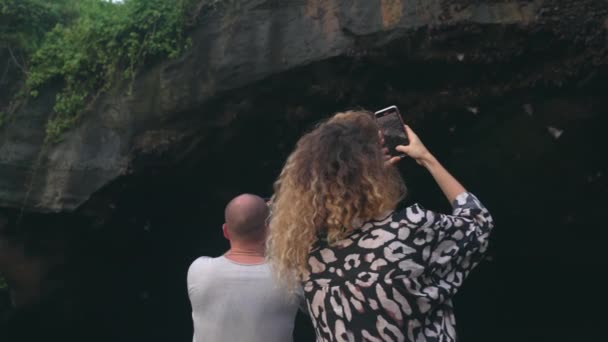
point(410, 133)
point(403, 148)
point(394, 160)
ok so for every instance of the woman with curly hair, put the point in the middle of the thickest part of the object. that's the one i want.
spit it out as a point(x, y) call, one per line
point(371, 272)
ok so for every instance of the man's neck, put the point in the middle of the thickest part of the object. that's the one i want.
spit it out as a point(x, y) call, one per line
point(246, 254)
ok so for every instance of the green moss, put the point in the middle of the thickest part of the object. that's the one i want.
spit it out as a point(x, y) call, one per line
point(94, 45)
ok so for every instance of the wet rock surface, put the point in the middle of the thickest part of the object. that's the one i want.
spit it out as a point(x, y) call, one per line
point(510, 95)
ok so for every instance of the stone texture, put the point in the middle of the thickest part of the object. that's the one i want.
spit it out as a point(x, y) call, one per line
point(486, 84)
point(237, 44)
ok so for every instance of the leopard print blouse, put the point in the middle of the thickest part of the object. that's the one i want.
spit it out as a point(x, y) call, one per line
point(393, 279)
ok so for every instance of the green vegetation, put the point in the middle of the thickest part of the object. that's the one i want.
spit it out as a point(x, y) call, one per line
point(23, 26)
point(88, 45)
point(3, 283)
point(24, 23)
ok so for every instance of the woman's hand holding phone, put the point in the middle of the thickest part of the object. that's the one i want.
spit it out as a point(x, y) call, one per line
point(415, 150)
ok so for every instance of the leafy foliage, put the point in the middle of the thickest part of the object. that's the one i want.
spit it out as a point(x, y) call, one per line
point(23, 26)
point(93, 44)
point(3, 283)
point(23, 23)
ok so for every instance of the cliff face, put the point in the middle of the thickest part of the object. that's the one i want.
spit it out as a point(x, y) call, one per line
point(509, 94)
point(457, 52)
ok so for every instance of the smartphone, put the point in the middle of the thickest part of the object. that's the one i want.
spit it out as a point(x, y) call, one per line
point(391, 125)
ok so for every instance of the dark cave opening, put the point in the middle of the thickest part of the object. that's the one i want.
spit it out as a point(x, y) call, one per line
point(125, 275)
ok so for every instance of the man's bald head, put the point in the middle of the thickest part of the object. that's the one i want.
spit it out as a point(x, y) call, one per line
point(245, 217)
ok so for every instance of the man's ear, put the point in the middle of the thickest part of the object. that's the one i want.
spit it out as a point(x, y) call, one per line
point(225, 230)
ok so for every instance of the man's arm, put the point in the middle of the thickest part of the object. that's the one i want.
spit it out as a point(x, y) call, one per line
point(192, 278)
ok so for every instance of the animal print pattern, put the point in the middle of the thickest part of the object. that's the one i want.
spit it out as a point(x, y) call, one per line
point(393, 278)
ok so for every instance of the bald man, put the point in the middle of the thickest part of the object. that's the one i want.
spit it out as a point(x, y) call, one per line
point(234, 297)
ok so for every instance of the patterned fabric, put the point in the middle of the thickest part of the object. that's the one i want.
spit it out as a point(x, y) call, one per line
point(393, 278)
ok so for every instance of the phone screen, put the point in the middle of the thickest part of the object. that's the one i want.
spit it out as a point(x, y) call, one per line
point(391, 125)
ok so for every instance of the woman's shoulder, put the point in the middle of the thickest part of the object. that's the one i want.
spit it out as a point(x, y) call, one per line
point(410, 214)
point(413, 213)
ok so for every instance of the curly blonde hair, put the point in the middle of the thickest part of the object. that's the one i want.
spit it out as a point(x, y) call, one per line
point(335, 175)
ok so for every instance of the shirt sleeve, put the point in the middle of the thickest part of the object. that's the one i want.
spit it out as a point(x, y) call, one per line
point(195, 273)
point(451, 245)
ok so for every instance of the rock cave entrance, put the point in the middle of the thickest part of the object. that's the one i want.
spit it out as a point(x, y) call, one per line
point(528, 153)
point(529, 142)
